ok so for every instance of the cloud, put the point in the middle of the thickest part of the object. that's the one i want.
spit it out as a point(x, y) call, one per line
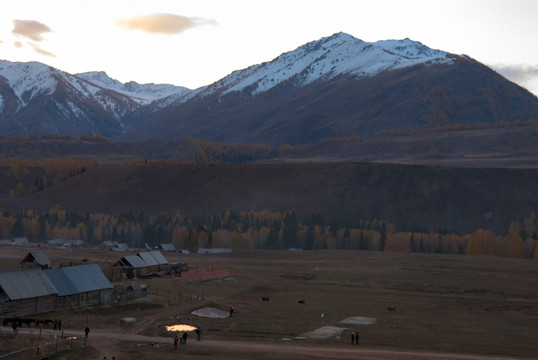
point(40, 51)
point(518, 73)
point(166, 24)
point(18, 44)
point(30, 29)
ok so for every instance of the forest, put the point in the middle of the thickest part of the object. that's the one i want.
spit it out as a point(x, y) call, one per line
point(238, 230)
point(264, 230)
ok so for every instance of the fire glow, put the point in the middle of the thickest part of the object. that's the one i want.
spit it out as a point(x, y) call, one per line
point(180, 327)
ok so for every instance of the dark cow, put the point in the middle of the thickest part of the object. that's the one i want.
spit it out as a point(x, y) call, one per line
point(300, 302)
point(265, 299)
point(391, 308)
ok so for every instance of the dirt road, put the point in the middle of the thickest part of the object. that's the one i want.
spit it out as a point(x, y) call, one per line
point(129, 346)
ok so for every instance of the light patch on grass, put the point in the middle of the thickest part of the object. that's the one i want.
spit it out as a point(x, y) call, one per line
point(324, 332)
point(359, 320)
point(211, 312)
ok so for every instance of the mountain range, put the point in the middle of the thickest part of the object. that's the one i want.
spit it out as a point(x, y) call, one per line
point(333, 87)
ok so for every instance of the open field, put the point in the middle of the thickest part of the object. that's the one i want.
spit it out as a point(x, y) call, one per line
point(446, 307)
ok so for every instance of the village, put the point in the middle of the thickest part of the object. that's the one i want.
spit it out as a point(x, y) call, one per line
point(278, 303)
point(39, 286)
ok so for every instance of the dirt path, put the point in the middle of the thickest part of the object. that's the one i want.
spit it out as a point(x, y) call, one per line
point(131, 346)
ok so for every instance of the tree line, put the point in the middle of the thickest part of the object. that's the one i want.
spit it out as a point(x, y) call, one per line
point(251, 230)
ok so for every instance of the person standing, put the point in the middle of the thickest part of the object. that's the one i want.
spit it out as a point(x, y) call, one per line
point(352, 338)
point(198, 334)
point(357, 337)
point(181, 337)
point(87, 331)
point(176, 340)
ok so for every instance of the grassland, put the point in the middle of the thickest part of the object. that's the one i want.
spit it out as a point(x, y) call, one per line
point(444, 304)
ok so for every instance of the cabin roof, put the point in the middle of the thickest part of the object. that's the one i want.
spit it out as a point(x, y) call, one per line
point(38, 257)
point(26, 283)
point(78, 279)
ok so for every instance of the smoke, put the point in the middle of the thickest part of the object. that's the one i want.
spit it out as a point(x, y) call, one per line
point(166, 24)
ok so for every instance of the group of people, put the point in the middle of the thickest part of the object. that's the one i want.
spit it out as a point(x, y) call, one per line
point(181, 339)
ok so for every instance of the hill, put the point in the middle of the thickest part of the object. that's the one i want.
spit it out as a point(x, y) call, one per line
point(427, 197)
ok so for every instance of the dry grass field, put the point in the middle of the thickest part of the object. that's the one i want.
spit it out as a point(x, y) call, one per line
point(446, 307)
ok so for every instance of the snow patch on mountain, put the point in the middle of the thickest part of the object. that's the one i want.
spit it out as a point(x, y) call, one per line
point(339, 54)
point(28, 79)
point(143, 94)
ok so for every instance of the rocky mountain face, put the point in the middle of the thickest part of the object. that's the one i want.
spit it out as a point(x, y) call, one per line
point(333, 87)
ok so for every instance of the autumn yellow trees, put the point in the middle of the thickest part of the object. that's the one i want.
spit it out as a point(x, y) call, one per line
point(252, 230)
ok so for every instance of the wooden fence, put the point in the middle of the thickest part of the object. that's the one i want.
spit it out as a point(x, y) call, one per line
point(43, 350)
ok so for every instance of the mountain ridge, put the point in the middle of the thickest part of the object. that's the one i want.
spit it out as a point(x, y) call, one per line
point(335, 86)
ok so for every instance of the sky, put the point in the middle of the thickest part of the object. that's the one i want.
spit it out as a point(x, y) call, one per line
point(193, 43)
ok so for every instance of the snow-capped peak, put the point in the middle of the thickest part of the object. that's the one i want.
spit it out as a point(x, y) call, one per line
point(141, 93)
point(29, 79)
point(339, 54)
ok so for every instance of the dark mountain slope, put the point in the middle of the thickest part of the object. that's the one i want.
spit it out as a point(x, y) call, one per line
point(429, 197)
point(412, 98)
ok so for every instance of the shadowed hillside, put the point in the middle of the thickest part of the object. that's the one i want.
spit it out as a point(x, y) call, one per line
point(430, 197)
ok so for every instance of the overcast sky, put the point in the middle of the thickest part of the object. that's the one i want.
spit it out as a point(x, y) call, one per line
point(193, 43)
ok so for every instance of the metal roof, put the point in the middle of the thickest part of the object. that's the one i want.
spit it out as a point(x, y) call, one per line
point(26, 284)
point(148, 258)
point(38, 256)
point(61, 282)
point(153, 258)
point(168, 247)
point(83, 278)
point(122, 246)
point(135, 261)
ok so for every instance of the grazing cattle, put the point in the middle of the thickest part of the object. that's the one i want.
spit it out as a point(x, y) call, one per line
point(300, 302)
point(391, 308)
point(265, 298)
point(45, 322)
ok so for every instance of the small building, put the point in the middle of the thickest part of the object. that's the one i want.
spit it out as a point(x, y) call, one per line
point(36, 259)
point(108, 244)
point(26, 291)
point(121, 247)
point(132, 266)
point(56, 242)
point(168, 247)
point(76, 243)
point(22, 241)
point(135, 291)
point(155, 260)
